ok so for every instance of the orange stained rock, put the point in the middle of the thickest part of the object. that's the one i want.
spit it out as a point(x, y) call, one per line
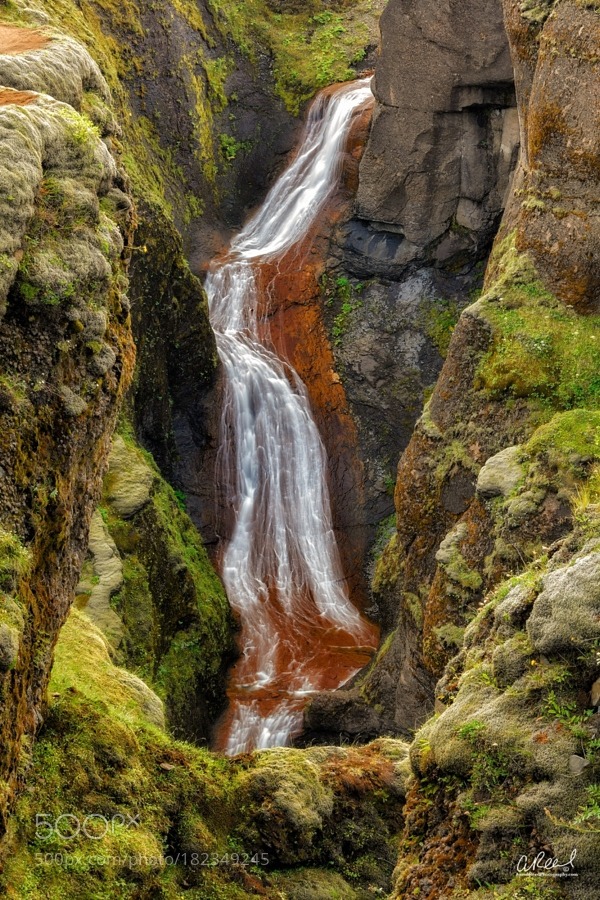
point(14, 40)
point(9, 97)
point(290, 305)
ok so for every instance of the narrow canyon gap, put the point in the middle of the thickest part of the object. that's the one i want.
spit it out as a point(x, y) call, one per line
point(281, 568)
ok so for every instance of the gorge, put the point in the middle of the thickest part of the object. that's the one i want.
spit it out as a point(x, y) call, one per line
point(188, 471)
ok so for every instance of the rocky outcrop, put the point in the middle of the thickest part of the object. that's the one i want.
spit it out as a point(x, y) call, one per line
point(444, 139)
point(321, 823)
point(433, 182)
point(67, 354)
point(554, 205)
point(175, 405)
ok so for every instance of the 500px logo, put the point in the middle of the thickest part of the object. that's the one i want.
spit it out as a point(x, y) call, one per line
point(94, 826)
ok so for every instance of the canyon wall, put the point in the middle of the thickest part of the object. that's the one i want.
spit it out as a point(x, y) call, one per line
point(440, 155)
point(410, 255)
point(488, 585)
point(101, 195)
point(488, 574)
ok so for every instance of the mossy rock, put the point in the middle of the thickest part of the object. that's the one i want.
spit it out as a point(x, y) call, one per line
point(566, 614)
point(501, 473)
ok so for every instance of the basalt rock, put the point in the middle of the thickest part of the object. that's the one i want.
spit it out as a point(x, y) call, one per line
point(432, 185)
point(445, 134)
point(492, 588)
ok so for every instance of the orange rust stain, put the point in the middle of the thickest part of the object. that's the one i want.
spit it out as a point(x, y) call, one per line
point(9, 97)
point(296, 329)
point(292, 305)
point(328, 654)
point(14, 40)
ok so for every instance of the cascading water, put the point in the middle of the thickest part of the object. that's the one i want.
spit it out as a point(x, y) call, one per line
point(281, 567)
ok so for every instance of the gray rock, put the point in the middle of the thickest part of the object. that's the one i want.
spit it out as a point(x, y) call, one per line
point(445, 132)
point(102, 361)
point(501, 474)
point(9, 647)
point(510, 661)
point(566, 614)
point(577, 764)
point(512, 609)
point(520, 510)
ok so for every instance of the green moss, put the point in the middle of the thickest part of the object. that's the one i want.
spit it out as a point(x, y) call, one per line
point(230, 147)
point(311, 48)
point(99, 756)
point(134, 605)
point(451, 455)
point(537, 11)
point(458, 570)
point(389, 566)
point(541, 349)
point(15, 559)
point(415, 608)
point(343, 294)
point(573, 435)
point(177, 619)
point(451, 636)
point(440, 320)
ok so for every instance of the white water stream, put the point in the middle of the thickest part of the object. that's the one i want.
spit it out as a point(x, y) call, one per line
point(281, 567)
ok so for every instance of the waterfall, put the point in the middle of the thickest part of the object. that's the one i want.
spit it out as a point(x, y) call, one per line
point(281, 566)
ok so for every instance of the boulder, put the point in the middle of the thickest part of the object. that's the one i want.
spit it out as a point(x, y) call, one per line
point(566, 614)
point(501, 474)
point(445, 134)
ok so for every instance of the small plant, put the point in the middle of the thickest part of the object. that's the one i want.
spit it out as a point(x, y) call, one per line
point(440, 322)
point(180, 500)
point(565, 711)
point(470, 731)
point(230, 147)
point(588, 814)
point(347, 292)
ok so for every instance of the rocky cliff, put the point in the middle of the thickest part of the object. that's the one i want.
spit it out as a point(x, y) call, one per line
point(97, 208)
point(441, 152)
point(67, 351)
point(489, 572)
point(410, 256)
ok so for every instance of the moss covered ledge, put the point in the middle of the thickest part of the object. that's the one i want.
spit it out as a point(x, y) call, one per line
point(175, 625)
